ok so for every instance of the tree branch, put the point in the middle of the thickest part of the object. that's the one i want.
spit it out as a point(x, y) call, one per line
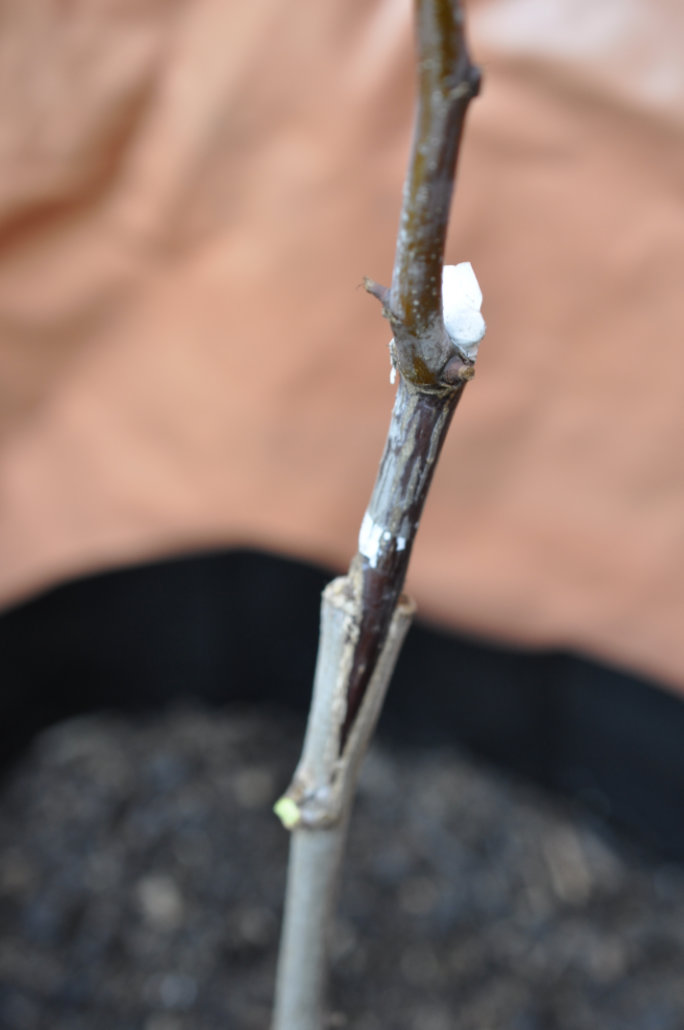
point(363, 622)
point(432, 368)
point(447, 81)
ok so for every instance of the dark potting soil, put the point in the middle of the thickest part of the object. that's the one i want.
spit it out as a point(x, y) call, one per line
point(142, 873)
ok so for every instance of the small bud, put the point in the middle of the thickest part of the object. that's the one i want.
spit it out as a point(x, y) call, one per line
point(457, 371)
point(288, 812)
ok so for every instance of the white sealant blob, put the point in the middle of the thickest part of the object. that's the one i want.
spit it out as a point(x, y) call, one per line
point(370, 536)
point(461, 302)
point(373, 537)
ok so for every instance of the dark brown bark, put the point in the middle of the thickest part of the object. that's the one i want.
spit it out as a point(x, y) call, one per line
point(418, 427)
point(432, 371)
point(447, 81)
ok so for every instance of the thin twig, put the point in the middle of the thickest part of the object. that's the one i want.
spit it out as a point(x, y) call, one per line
point(432, 370)
point(362, 620)
point(447, 81)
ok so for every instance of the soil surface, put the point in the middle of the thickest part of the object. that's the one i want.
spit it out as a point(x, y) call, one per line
point(142, 873)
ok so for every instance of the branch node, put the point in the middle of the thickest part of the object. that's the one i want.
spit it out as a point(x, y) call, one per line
point(458, 371)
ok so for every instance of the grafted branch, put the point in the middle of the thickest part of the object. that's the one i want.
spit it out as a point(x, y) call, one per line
point(447, 81)
point(363, 621)
point(432, 369)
